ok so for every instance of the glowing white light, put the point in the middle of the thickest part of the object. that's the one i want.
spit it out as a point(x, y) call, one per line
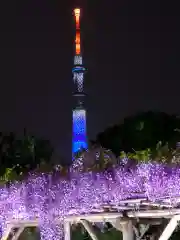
point(78, 79)
point(79, 118)
point(77, 12)
point(77, 60)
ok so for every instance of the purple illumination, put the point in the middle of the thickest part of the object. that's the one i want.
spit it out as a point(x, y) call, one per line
point(49, 197)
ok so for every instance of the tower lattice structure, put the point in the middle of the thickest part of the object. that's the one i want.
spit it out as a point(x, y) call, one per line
point(79, 136)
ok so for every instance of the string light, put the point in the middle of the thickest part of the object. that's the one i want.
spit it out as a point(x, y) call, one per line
point(48, 197)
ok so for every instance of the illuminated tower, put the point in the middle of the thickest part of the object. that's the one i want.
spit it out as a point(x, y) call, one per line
point(79, 138)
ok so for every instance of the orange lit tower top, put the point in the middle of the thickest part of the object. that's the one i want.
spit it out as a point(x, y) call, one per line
point(78, 69)
point(78, 36)
point(79, 139)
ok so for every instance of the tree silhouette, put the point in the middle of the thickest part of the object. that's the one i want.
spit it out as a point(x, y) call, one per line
point(21, 155)
point(141, 131)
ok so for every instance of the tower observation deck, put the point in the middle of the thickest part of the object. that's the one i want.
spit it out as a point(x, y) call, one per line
point(79, 137)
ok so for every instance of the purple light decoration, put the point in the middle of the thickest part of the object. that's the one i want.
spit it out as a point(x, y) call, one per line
point(49, 197)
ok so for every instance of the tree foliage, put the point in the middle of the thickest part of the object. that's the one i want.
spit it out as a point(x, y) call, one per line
point(18, 156)
point(161, 154)
point(95, 159)
point(142, 131)
point(79, 233)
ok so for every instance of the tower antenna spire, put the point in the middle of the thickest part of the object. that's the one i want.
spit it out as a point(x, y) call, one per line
point(79, 134)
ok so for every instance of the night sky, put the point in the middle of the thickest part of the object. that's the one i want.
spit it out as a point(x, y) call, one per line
point(131, 50)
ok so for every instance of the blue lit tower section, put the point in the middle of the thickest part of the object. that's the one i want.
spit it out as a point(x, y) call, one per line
point(79, 138)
